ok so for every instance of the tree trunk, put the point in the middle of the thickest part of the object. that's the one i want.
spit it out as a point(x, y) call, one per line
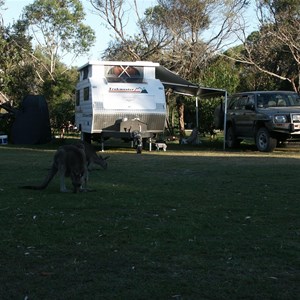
point(180, 110)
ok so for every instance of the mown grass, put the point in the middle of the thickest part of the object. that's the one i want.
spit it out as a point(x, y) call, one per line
point(183, 224)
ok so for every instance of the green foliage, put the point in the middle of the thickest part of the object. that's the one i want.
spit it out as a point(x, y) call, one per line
point(260, 76)
point(222, 74)
point(39, 70)
point(6, 121)
point(17, 74)
point(188, 16)
point(206, 112)
point(60, 95)
point(274, 50)
point(283, 6)
point(122, 50)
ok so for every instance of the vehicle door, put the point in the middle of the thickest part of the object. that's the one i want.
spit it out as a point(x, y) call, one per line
point(245, 116)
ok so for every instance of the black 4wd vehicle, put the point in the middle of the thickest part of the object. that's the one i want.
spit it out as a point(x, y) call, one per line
point(267, 117)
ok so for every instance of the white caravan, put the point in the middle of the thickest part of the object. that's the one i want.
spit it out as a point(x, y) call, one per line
point(119, 99)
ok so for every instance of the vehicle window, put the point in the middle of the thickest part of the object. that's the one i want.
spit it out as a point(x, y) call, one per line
point(278, 100)
point(264, 100)
point(233, 102)
point(261, 101)
point(271, 103)
point(242, 102)
point(293, 99)
point(251, 100)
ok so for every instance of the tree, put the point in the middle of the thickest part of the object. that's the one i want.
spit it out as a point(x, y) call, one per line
point(275, 49)
point(148, 39)
point(17, 75)
point(1, 5)
point(221, 73)
point(198, 29)
point(61, 93)
point(58, 30)
point(180, 111)
point(181, 34)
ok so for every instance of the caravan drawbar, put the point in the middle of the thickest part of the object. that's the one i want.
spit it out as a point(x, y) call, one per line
point(119, 99)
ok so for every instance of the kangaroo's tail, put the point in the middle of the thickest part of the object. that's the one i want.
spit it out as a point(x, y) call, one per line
point(47, 180)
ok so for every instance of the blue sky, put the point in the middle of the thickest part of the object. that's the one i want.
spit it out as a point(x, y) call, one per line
point(103, 35)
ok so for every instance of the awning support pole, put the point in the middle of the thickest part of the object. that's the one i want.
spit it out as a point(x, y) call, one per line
point(225, 121)
point(197, 113)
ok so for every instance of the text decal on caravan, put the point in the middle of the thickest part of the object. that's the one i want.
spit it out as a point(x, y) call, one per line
point(137, 90)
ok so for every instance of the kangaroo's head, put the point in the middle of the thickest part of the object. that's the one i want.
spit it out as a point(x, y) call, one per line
point(102, 161)
point(78, 179)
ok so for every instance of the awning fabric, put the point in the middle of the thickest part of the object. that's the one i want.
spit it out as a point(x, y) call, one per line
point(181, 86)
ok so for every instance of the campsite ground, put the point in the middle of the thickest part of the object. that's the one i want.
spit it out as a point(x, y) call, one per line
point(190, 223)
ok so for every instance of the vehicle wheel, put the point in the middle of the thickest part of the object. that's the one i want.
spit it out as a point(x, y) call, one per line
point(264, 142)
point(231, 140)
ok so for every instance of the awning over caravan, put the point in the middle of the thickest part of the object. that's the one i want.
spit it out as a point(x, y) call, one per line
point(181, 86)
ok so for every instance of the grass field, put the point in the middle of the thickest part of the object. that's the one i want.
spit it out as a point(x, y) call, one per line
point(189, 223)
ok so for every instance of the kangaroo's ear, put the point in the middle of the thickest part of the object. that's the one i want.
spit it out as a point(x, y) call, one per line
point(107, 157)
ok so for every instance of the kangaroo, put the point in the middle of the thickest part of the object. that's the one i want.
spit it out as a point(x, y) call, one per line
point(91, 156)
point(69, 161)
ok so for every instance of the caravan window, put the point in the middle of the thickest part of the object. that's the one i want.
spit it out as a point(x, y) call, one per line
point(86, 94)
point(85, 72)
point(77, 97)
point(123, 73)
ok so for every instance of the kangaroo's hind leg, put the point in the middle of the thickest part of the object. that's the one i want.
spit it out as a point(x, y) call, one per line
point(60, 163)
point(63, 187)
